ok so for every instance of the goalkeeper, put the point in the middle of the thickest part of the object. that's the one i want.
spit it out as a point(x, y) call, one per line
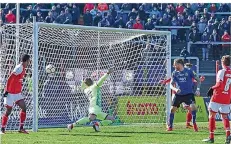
point(92, 90)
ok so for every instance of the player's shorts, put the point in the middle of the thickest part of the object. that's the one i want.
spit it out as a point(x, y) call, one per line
point(222, 108)
point(179, 99)
point(12, 98)
point(193, 102)
point(98, 112)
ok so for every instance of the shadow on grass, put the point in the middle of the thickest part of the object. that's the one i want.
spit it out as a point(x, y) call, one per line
point(133, 132)
point(95, 135)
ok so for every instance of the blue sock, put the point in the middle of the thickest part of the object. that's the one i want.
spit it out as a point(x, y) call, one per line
point(171, 118)
point(194, 116)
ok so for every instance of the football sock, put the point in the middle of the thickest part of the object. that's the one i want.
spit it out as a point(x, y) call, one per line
point(4, 121)
point(188, 117)
point(22, 119)
point(83, 121)
point(226, 126)
point(211, 127)
point(171, 118)
point(105, 122)
point(194, 116)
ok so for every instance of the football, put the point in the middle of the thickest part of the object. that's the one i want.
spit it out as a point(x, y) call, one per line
point(69, 75)
point(50, 69)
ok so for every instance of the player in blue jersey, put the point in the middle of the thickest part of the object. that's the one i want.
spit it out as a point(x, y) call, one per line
point(182, 84)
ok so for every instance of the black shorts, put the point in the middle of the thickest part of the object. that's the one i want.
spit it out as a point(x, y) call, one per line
point(179, 99)
point(193, 99)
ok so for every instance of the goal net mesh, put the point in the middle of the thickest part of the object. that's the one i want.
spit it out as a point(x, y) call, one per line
point(132, 93)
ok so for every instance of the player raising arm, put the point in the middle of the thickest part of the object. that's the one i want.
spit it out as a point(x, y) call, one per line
point(182, 79)
point(92, 90)
point(220, 100)
point(13, 94)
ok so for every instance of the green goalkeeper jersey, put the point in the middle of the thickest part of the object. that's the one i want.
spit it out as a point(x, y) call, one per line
point(94, 94)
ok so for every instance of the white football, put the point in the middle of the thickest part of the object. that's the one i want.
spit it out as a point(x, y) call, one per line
point(50, 69)
point(69, 75)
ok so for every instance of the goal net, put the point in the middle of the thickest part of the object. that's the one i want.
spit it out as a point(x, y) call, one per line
point(132, 93)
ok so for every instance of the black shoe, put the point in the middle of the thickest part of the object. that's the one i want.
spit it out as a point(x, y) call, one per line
point(228, 139)
point(3, 130)
point(209, 140)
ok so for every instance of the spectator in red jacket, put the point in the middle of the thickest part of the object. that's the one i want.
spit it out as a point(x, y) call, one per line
point(226, 47)
point(180, 9)
point(10, 17)
point(213, 8)
point(138, 25)
point(102, 7)
point(88, 6)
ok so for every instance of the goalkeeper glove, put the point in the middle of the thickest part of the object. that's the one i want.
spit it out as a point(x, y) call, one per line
point(210, 92)
point(5, 94)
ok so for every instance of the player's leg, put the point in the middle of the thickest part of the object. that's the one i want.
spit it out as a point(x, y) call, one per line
point(188, 115)
point(82, 121)
point(105, 119)
point(188, 100)
point(8, 102)
point(213, 109)
point(175, 104)
point(21, 103)
point(224, 110)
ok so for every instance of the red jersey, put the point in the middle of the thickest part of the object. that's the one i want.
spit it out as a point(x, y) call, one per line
point(14, 82)
point(222, 89)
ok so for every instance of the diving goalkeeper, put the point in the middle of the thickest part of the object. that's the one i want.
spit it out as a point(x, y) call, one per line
point(92, 90)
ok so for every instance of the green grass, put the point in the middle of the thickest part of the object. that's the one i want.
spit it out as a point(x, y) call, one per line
point(136, 134)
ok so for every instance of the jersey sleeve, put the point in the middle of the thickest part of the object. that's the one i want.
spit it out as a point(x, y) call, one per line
point(17, 70)
point(193, 74)
point(220, 75)
point(99, 83)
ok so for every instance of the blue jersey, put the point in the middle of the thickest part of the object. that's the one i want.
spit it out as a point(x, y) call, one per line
point(184, 80)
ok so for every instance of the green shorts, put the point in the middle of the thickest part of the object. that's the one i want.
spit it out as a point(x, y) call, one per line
point(98, 112)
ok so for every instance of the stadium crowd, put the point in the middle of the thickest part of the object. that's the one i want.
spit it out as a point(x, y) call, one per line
point(201, 19)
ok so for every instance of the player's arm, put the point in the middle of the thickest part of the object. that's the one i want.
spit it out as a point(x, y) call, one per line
point(13, 75)
point(197, 79)
point(219, 80)
point(99, 83)
point(165, 81)
point(172, 84)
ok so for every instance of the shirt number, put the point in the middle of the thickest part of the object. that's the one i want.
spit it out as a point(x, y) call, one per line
point(227, 85)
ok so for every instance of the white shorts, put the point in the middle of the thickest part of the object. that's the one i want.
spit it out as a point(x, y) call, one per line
point(12, 98)
point(222, 108)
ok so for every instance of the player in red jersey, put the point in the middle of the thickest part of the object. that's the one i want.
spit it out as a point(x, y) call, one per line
point(13, 94)
point(189, 114)
point(220, 100)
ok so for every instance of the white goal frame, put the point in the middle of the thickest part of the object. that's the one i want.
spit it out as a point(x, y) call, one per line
point(36, 27)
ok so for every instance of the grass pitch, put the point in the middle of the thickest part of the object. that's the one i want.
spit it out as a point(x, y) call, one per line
point(134, 134)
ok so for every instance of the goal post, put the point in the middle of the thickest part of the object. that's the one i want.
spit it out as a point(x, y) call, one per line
point(132, 93)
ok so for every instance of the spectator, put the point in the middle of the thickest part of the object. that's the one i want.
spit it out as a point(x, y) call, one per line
point(37, 5)
point(209, 28)
point(61, 18)
point(75, 14)
point(226, 47)
point(104, 23)
point(102, 7)
point(119, 23)
point(189, 9)
point(174, 22)
point(169, 13)
point(184, 53)
point(154, 20)
point(39, 17)
point(6, 9)
point(149, 25)
point(212, 18)
point(201, 26)
point(2, 15)
point(37, 10)
point(206, 14)
point(193, 37)
point(194, 6)
point(216, 24)
point(180, 8)
point(200, 7)
point(58, 9)
point(212, 8)
point(54, 12)
point(165, 20)
point(132, 14)
point(142, 14)
point(126, 7)
point(188, 21)
point(114, 7)
point(95, 11)
point(68, 17)
point(156, 12)
point(223, 8)
point(138, 25)
point(223, 26)
point(146, 7)
point(87, 18)
point(110, 18)
point(130, 23)
point(229, 24)
point(26, 13)
point(88, 6)
point(10, 17)
point(97, 19)
point(205, 47)
point(197, 16)
point(113, 12)
point(30, 19)
point(215, 47)
point(194, 27)
point(49, 18)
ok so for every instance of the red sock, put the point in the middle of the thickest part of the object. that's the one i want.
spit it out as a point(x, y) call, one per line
point(22, 119)
point(211, 127)
point(188, 117)
point(226, 126)
point(4, 121)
